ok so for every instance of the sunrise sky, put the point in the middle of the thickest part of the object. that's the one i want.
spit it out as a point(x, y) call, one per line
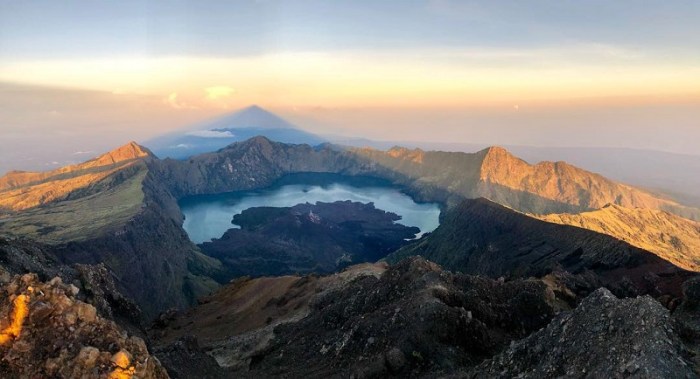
point(500, 72)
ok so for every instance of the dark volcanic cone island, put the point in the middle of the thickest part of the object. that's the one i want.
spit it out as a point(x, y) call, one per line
point(537, 271)
point(321, 237)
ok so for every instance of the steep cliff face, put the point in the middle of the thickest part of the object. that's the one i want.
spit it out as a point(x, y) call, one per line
point(672, 238)
point(482, 237)
point(156, 263)
point(96, 283)
point(255, 163)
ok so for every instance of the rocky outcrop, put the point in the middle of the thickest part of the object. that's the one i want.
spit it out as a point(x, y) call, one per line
point(236, 322)
point(604, 337)
point(414, 319)
point(96, 283)
point(22, 255)
point(46, 332)
point(321, 237)
point(484, 238)
point(185, 359)
point(99, 289)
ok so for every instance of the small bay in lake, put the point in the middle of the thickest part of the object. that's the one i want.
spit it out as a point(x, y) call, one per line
point(209, 216)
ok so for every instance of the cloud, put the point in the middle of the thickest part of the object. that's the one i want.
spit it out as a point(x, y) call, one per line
point(83, 152)
point(218, 92)
point(211, 134)
point(174, 101)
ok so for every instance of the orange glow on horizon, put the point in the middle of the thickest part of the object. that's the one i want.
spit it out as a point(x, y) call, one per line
point(346, 79)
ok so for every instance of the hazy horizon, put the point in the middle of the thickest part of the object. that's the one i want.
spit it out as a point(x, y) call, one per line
point(96, 75)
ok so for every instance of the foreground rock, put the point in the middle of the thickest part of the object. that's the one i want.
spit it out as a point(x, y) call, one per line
point(45, 332)
point(604, 337)
point(413, 320)
point(238, 321)
point(369, 320)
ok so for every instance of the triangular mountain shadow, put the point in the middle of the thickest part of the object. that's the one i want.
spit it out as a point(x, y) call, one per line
point(237, 126)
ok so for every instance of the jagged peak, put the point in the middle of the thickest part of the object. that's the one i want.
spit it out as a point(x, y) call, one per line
point(497, 159)
point(257, 140)
point(129, 151)
point(496, 151)
point(401, 149)
point(416, 155)
point(250, 142)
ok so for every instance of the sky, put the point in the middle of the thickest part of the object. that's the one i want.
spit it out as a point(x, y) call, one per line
point(77, 76)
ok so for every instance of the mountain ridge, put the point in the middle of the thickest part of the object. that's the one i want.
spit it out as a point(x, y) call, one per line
point(495, 173)
point(125, 153)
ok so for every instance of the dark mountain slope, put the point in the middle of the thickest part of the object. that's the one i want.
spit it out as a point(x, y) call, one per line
point(95, 283)
point(482, 237)
point(414, 318)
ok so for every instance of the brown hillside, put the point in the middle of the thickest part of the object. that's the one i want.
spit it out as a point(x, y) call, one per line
point(672, 238)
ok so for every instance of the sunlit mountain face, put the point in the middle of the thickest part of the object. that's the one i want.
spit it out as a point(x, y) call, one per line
point(314, 189)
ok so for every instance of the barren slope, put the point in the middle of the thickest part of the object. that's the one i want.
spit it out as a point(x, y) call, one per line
point(75, 202)
point(672, 238)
